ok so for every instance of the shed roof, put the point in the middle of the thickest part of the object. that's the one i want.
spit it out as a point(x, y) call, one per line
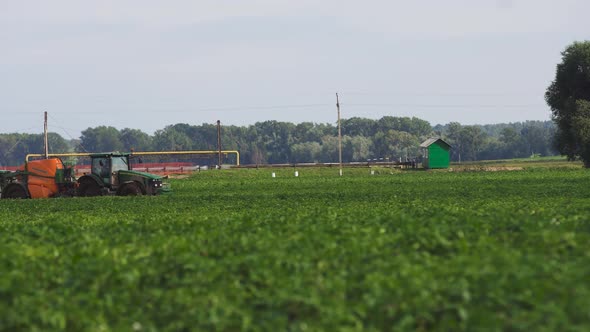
point(431, 141)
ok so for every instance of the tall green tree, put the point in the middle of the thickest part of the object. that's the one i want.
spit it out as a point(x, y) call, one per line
point(8, 144)
point(512, 142)
point(358, 127)
point(306, 152)
point(472, 139)
point(453, 134)
point(568, 96)
point(329, 149)
point(135, 139)
point(15, 147)
point(395, 144)
point(277, 138)
point(360, 147)
point(171, 139)
point(101, 139)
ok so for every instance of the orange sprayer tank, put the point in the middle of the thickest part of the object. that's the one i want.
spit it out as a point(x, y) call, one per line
point(42, 177)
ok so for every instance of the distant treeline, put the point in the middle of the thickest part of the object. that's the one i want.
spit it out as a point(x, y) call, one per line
point(284, 142)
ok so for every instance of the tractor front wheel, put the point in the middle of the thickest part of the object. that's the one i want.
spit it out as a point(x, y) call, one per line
point(14, 191)
point(130, 189)
point(89, 189)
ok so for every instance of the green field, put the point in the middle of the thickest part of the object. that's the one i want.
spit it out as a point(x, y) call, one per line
point(238, 250)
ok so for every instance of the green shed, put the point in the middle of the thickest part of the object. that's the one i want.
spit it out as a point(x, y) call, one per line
point(436, 153)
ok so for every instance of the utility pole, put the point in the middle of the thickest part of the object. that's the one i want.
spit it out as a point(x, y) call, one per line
point(45, 140)
point(339, 135)
point(219, 143)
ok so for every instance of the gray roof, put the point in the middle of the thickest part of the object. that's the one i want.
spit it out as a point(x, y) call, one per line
point(430, 141)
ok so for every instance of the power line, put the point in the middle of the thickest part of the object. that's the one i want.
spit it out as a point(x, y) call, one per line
point(441, 94)
point(25, 129)
point(171, 110)
point(67, 133)
point(283, 107)
point(450, 105)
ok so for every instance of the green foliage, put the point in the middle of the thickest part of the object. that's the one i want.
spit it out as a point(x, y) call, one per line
point(568, 96)
point(283, 142)
point(581, 127)
point(240, 250)
point(499, 141)
point(472, 139)
point(14, 147)
point(135, 139)
point(101, 139)
point(307, 152)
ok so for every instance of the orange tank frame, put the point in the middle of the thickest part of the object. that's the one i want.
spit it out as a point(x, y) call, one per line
point(43, 177)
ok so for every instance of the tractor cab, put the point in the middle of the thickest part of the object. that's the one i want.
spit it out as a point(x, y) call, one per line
point(106, 167)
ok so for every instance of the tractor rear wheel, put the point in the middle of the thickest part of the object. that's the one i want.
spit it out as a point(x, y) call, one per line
point(89, 189)
point(14, 191)
point(130, 189)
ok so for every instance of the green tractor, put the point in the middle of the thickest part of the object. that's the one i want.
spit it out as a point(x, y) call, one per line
point(111, 173)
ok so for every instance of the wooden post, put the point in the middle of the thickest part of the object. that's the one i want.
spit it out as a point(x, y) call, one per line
point(339, 135)
point(219, 143)
point(45, 138)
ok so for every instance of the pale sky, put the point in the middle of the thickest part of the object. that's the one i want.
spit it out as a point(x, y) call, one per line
point(147, 64)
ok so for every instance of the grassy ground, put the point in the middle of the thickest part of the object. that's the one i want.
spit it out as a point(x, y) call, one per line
point(239, 250)
point(526, 163)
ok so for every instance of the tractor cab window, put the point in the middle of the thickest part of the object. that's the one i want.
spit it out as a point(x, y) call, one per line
point(100, 167)
point(119, 164)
